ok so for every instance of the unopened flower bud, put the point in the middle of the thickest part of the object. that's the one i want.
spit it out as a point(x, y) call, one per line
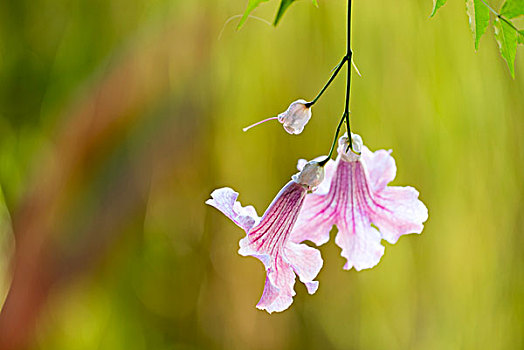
point(347, 153)
point(295, 117)
point(311, 175)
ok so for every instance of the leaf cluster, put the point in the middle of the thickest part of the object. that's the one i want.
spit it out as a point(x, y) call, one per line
point(507, 35)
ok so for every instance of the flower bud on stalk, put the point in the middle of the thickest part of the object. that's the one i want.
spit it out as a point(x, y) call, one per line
point(310, 176)
point(348, 154)
point(293, 119)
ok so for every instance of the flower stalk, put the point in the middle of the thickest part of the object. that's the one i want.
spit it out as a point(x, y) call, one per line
point(324, 162)
point(333, 76)
point(349, 55)
point(345, 115)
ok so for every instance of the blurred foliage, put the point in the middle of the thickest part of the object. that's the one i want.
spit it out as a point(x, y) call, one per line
point(171, 278)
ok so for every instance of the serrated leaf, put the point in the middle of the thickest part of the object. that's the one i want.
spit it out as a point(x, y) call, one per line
point(478, 15)
point(436, 5)
point(512, 8)
point(284, 4)
point(507, 40)
point(251, 5)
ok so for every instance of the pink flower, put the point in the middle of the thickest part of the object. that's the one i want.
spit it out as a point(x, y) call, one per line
point(267, 238)
point(354, 197)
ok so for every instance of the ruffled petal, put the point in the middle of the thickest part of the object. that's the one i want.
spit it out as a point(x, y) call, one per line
point(314, 221)
point(398, 211)
point(279, 288)
point(360, 243)
point(298, 259)
point(306, 263)
point(269, 296)
point(380, 167)
point(247, 249)
point(225, 200)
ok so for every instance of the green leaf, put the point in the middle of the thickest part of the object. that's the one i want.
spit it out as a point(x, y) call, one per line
point(521, 37)
point(512, 8)
point(478, 15)
point(436, 5)
point(251, 5)
point(507, 40)
point(284, 4)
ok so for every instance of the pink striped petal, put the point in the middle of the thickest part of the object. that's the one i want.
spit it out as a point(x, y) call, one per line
point(279, 291)
point(279, 288)
point(360, 243)
point(306, 263)
point(315, 220)
point(380, 166)
point(398, 212)
point(225, 200)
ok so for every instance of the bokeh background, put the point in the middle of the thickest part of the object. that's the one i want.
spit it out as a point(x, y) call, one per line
point(118, 118)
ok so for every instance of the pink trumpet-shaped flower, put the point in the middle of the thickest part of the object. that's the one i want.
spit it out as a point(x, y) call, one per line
point(354, 197)
point(267, 238)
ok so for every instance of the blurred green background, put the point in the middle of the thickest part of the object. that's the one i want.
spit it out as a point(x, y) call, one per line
point(118, 118)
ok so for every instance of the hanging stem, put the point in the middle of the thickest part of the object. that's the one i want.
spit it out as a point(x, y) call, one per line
point(335, 73)
point(349, 55)
point(345, 116)
point(324, 162)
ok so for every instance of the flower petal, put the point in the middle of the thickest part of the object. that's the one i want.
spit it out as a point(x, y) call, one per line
point(279, 291)
point(380, 167)
point(360, 243)
point(398, 212)
point(306, 262)
point(225, 200)
point(269, 296)
point(247, 249)
point(314, 221)
point(329, 171)
point(279, 288)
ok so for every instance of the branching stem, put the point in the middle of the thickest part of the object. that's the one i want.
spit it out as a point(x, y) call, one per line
point(349, 55)
point(345, 116)
point(322, 163)
point(335, 73)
